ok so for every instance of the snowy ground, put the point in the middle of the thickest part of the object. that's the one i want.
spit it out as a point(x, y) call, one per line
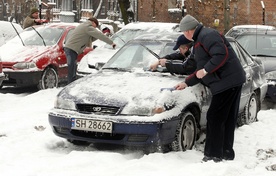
point(28, 147)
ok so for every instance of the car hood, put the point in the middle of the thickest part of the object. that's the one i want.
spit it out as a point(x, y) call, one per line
point(23, 53)
point(132, 92)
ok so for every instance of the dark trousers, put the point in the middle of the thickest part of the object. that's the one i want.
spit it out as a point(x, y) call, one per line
point(71, 57)
point(221, 122)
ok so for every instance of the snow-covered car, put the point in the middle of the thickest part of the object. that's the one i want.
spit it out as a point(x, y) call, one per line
point(8, 30)
point(239, 29)
point(262, 44)
point(103, 52)
point(36, 57)
point(126, 104)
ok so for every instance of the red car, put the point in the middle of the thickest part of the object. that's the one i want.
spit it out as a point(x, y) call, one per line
point(36, 56)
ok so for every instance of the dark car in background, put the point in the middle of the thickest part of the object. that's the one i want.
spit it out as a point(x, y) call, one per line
point(262, 45)
point(126, 104)
point(36, 57)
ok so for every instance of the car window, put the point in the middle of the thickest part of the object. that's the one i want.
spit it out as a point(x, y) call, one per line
point(135, 55)
point(237, 51)
point(259, 45)
point(40, 36)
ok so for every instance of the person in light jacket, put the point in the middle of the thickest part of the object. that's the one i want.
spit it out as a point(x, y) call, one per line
point(219, 68)
point(82, 37)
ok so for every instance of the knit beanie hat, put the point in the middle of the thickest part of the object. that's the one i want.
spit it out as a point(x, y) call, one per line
point(34, 10)
point(188, 23)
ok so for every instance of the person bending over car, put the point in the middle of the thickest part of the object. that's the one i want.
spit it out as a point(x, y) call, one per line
point(181, 62)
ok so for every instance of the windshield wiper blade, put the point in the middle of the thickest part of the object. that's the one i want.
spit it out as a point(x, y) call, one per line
point(17, 34)
point(115, 68)
point(39, 36)
point(149, 50)
point(120, 38)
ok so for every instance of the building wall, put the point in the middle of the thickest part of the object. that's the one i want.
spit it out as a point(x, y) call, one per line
point(207, 11)
point(157, 10)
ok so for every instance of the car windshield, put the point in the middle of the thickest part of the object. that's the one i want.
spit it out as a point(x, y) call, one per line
point(32, 37)
point(139, 55)
point(259, 45)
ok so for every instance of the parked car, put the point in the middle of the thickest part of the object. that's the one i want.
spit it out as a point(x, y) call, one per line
point(36, 56)
point(126, 104)
point(262, 45)
point(8, 30)
point(239, 29)
point(103, 52)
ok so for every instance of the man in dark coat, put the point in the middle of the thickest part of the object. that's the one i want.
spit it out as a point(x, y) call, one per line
point(218, 68)
point(181, 62)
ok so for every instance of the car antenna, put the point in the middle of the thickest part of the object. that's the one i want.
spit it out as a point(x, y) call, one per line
point(39, 36)
point(17, 34)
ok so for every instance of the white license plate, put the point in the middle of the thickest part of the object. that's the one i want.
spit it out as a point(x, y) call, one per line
point(91, 125)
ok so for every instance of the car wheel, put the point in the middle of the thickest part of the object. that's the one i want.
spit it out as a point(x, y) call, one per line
point(186, 133)
point(249, 115)
point(49, 79)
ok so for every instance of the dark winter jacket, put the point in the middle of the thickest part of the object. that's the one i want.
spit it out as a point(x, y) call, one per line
point(177, 63)
point(214, 53)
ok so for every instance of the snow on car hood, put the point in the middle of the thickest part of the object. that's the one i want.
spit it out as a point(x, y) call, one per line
point(130, 91)
point(19, 53)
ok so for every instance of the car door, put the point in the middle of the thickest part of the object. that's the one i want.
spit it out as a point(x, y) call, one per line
point(247, 86)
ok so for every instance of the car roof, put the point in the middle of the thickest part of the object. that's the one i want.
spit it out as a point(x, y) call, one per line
point(258, 33)
point(257, 26)
point(152, 25)
point(160, 36)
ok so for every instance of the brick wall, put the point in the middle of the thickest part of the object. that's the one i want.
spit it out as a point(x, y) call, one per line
point(206, 11)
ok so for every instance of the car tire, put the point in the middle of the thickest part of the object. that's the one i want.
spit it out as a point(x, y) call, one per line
point(249, 114)
point(186, 133)
point(49, 79)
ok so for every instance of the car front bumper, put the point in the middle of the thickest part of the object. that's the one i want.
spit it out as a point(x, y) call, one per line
point(135, 134)
point(22, 79)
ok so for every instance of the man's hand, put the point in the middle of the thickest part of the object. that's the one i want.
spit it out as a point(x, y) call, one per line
point(181, 86)
point(201, 73)
point(154, 66)
point(162, 62)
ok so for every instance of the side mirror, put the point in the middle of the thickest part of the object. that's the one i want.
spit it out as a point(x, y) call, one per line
point(99, 65)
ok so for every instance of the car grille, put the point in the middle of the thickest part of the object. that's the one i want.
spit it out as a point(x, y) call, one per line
point(91, 108)
point(97, 135)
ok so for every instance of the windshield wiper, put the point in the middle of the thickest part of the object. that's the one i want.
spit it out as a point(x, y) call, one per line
point(115, 68)
point(17, 34)
point(262, 55)
point(149, 50)
point(120, 38)
point(39, 36)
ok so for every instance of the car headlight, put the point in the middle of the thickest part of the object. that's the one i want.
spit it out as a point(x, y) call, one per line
point(24, 65)
point(271, 76)
point(147, 111)
point(64, 104)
